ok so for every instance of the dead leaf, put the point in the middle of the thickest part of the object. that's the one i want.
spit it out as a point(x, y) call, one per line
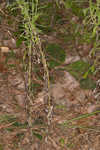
point(2, 68)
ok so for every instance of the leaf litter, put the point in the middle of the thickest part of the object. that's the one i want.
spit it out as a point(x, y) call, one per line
point(74, 107)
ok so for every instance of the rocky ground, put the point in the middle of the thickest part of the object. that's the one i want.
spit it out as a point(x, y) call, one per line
point(73, 124)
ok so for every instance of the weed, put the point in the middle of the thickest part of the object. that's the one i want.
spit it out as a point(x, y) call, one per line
point(7, 118)
point(80, 117)
point(92, 21)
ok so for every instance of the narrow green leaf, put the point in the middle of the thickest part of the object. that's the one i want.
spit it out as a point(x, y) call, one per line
point(37, 135)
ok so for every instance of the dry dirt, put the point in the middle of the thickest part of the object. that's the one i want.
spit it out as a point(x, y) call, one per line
point(69, 101)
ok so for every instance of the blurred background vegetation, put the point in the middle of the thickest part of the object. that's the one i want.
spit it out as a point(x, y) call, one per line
point(72, 21)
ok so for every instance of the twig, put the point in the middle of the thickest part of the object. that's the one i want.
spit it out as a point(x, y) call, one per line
point(7, 125)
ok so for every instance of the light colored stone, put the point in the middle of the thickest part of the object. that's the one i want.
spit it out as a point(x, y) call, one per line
point(10, 43)
point(93, 108)
point(4, 49)
point(70, 82)
point(20, 100)
point(7, 108)
point(71, 59)
point(57, 91)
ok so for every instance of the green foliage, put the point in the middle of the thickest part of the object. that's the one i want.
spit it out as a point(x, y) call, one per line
point(74, 6)
point(11, 9)
point(78, 68)
point(39, 136)
point(1, 147)
point(69, 123)
point(87, 83)
point(20, 125)
point(0, 19)
point(10, 129)
point(62, 142)
point(39, 121)
point(58, 18)
point(19, 41)
point(35, 87)
point(67, 37)
point(56, 55)
point(63, 107)
point(10, 55)
point(20, 135)
point(49, 17)
point(44, 20)
point(29, 31)
point(70, 145)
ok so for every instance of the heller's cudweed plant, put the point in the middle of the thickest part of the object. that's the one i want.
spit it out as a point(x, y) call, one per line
point(30, 14)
